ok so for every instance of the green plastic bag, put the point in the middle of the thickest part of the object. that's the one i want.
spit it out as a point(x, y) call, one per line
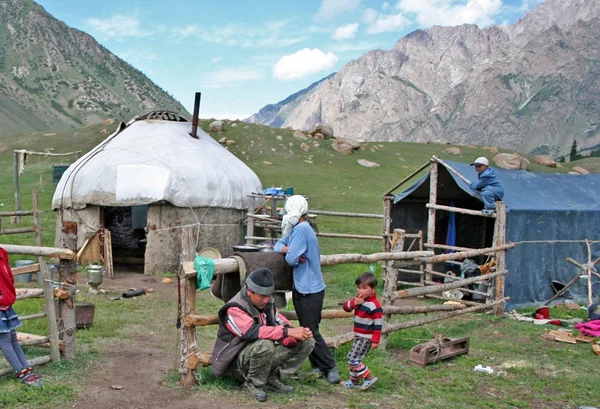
point(205, 268)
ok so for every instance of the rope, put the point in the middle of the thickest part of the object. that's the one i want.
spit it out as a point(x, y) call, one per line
point(553, 241)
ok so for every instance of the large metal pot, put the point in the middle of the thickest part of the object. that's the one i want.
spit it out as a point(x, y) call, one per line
point(95, 275)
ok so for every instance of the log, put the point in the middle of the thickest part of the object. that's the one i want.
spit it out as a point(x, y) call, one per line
point(465, 254)
point(21, 213)
point(459, 210)
point(30, 339)
point(18, 230)
point(32, 268)
point(213, 319)
point(499, 240)
point(62, 253)
point(431, 289)
point(186, 307)
point(451, 169)
point(230, 265)
point(403, 181)
point(32, 316)
point(32, 362)
point(335, 342)
point(350, 236)
point(346, 214)
point(68, 276)
point(23, 293)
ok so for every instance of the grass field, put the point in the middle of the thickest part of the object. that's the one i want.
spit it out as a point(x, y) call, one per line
point(538, 373)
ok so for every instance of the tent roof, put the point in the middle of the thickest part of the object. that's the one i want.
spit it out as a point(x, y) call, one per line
point(530, 191)
point(153, 160)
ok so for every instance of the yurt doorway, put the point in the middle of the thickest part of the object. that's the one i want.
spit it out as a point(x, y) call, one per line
point(127, 226)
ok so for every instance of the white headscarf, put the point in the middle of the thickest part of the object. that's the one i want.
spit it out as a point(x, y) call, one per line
point(295, 207)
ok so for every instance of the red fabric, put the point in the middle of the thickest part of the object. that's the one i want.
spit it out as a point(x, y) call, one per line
point(590, 328)
point(8, 294)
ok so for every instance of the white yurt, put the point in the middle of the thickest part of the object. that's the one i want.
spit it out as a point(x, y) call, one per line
point(147, 181)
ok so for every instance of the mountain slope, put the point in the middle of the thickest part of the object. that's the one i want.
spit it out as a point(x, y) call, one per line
point(533, 86)
point(55, 77)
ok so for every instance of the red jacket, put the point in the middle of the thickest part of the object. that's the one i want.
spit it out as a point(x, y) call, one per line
point(8, 294)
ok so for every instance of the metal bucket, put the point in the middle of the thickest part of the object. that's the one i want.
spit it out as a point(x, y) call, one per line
point(23, 278)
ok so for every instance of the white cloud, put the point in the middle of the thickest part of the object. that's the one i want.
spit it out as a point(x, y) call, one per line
point(302, 63)
point(117, 27)
point(333, 8)
point(451, 12)
point(345, 32)
point(380, 23)
point(215, 60)
point(268, 34)
point(230, 76)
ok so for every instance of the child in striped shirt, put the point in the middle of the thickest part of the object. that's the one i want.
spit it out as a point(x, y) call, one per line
point(368, 317)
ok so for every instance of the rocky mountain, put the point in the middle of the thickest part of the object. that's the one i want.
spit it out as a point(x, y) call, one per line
point(56, 77)
point(533, 86)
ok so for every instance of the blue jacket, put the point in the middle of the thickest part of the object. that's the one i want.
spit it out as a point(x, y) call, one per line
point(302, 240)
point(488, 181)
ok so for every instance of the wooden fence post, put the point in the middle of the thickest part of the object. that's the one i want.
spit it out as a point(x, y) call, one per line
point(68, 276)
point(433, 179)
point(391, 279)
point(187, 306)
point(46, 285)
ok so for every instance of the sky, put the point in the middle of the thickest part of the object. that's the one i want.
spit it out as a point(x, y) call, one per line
point(245, 54)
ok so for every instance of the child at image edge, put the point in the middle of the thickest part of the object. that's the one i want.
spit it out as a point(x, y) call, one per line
point(368, 320)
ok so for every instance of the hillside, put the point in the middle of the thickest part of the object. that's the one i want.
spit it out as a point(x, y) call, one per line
point(532, 86)
point(56, 77)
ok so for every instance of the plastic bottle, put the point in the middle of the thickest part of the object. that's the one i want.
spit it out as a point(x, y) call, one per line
point(481, 368)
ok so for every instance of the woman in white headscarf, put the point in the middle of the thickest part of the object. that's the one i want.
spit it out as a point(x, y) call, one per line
point(301, 248)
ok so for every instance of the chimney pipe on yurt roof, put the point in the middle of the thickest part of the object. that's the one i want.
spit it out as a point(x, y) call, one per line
point(194, 133)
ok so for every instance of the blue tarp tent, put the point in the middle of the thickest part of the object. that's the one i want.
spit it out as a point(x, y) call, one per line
point(548, 217)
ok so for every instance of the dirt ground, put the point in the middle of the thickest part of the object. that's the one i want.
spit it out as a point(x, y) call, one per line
point(140, 366)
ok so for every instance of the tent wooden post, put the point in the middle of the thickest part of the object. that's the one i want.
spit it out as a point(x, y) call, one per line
point(433, 180)
point(499, 240)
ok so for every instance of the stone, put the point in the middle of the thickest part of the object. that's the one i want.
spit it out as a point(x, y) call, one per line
point(279, 138)
point(453, 151)
point(305, 147)
point(368, 163)
point(223, 139)
point(298, 134)
point(216, 126)
point(581, 170)
point(508, 161)
point(343, 146)
point(325, 130)
point(545, 160)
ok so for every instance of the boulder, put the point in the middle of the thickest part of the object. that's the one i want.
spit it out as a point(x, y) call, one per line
point(574, 173)
point(453, 151)
point(510, 161)
point(368, 163)
point(318, 135)
point(344, 146)
point(279, 138)
point(545, 160)
point(581, 170)
point(324, 130)
point(493, 149)
point(215, 126)
point(305, 147)
point(298, 134)
point(223, 139)
point(230, 142)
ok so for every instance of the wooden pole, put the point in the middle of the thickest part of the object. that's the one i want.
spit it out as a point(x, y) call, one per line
point(213, 319)
point(347, 214)
point(187, 306)
point(582, 267)
point(250, 221)
point(465, 254)
point(335, 342)
point(430, 289)
point(68, 275)
point(62, 253)
point(459, 210)
point(351, 236)
point(17, 193)
point(433, 179)
point(406, 179)
point(49, 305)
point(32, 362)
point(391, 281)
point(20, 213)
point(451, 169)
point(499, 240)
point(387, 222)
point(589, 272)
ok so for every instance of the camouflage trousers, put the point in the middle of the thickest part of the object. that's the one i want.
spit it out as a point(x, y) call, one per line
point(264, 358)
